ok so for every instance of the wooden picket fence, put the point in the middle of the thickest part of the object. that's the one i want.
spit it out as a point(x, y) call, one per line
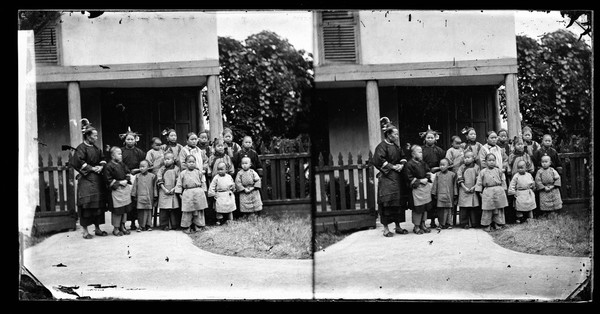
point(342, 204)
point(57, 209)
point(575, 189)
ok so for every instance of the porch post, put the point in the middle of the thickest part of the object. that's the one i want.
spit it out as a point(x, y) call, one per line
point(498, 120)
point(74, 98)
point(201, 125)
point(215, 116)
point(512, 105)
point(374, 129)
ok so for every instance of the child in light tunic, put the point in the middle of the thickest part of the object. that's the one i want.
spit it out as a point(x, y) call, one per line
point(521, 186)
point(219, 156)
point(168, 203)
point(191, 185)
point(144, 194)
point(222, 188)
point(192, 149)
point(156, 155)
point(248, 182)
point(548, 183)
point(468, 201)
point(491, 183)
point(445, 193)
point(455, 154)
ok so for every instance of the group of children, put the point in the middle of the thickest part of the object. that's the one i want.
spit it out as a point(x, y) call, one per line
point(181, 182)
point(483, 179)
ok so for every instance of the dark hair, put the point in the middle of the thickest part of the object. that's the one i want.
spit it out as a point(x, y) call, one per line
point(490, 154)
point(389, 129)
point(203, 132)
point(88, 132)
point(154, 139)
point(113, 149)
point(526, 128)
point(446, 159)
point(454, 137)
point(190, 134)
point(146, 161)
point(217, 141)
point(490, 133)
point(412, 148)
point(227, 130)
point(189, 156)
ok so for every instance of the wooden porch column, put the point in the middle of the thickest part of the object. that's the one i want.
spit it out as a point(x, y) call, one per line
point(498, 120)
point(74, 97)
point(215, 117)
point(374, 129)
point(201, 125)
point(28, 180)
point(512, 105)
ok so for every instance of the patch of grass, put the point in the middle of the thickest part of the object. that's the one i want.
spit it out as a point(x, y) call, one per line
point(328, 238)
point(259, 237)
point(562, 234)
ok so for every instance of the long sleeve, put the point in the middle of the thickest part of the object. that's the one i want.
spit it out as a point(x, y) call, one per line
point(512, 188)
point(230, 167)
point(434, 188)
point(179, 184)
point(460, 175)
point(454, 184)
point(78, 162)
point(556, 175)
point(212, 190)
point(483, 151)
point(203, 181)
point(410, 173)
point(159, 176)
point(538, 180)
point(182, 154)
point(135, 186)
point(379, 160)
point(504, 159)
point(257, 180)
point(503, 179)
point(479, 183)
point(110, 179)
point(529, 163)
point(238, 182)
point(155, 186)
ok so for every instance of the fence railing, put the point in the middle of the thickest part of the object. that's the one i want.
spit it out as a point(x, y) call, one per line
point(575, 177)
point(285, 178)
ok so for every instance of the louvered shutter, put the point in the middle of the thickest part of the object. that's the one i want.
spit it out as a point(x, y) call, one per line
point(45, 46)
point(339, 36)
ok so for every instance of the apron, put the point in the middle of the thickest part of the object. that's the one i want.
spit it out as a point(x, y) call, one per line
point(525, 200)
point(122, 196)
point(225, 202)
point(422, 194)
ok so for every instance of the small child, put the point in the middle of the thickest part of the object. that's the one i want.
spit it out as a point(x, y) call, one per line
point(432, 154)
point(247, 151)
point(172, 146)
point(531, 146)
point(419, 177)
point(231, 147)
point(144, 194)
point(191, 184)
point(192, 149)
point(521, 186)
point(168, 204)
point(445, 192)
point(468, 201)
point(547, 150)
point(118, 178)
point(204, 143)
point(219, 156)
point(548, 183)
point(517, 155)
point(455, 154)
point(132, 156)
point(491, 147)
point(222, 188)
point(471, 143)
point(156, 156)
point(504, 142)
point(491, 183)
point(248, 182)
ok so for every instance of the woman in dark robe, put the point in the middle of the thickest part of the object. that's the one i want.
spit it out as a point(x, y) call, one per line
point(132, 156)
point(392, 194)
point(91, 189)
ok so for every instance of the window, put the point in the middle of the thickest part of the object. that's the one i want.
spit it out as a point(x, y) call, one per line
point(46, 51)
point(339, 36)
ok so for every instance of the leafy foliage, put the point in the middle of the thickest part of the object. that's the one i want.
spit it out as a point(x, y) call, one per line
point(265, 85)
point(554, 81)
point(36, 20)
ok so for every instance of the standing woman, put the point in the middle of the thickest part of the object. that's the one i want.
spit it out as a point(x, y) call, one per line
point(91, 189)
point(392, 192)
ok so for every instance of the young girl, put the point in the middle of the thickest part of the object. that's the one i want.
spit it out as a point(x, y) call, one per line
point(247, 151)
point(517, 155)
point(222, 188)
point(455, 154)
point(504, 142)
point(204, 143)
point(132, 156)
point(192, 149)
point(191, 184)
point(231, 148)
point(432, 154)
point(219, 156)
point(548, 183)
point(491, 148)
point(521, 186)
point(144, 195)
point(531, 146)
point(471, 143)
point(168, 204)
point(445, 193)
point(419, 177)
point(468, 201)
point(156, 155)
point(491, 183)
point(118, 177)
point(172, 146)
point(248, 184)
point(547, 150)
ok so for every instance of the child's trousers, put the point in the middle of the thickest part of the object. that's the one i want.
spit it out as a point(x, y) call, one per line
point(419, 219)
point(228, 216)
point(444, 215)
point(470, 216)
point(495, 215)
point(144, 217)
point(169, 216)
point(118, 220)
point(196, 217)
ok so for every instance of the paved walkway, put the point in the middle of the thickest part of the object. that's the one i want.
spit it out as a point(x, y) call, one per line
point(137, 265)
point(454, 264)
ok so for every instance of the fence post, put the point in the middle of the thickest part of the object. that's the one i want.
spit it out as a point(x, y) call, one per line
point(342, 180)
point(71, 195)
point(370, 182)
point(322, 184)
point(332, 200)
point(42, 185)
point(361, 181)
point(61, 188)
point(51, 184)
point(352, 204)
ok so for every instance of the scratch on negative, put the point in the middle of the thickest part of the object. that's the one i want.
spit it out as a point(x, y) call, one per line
point(363, 24)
